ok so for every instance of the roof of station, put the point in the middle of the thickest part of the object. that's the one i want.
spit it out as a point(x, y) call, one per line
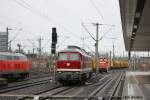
point(135, 18)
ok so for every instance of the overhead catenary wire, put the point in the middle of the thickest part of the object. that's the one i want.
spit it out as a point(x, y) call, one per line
point(97, 9)
point(93, 36)
point(9, 19)
point(89, 48)
point(46, 43)
point(106, 8)
point(3, 24)
point(69, 13)
point(15, 21)
point(42, 15)
point(87, 31)
point(13, 38)
point(104, 34)
point(62, 42)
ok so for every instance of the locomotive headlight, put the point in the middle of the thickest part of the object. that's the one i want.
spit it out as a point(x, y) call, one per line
point(59, 72)
point(77, 72)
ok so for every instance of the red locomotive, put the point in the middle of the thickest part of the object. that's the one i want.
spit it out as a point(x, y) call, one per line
point(103, 64)
point(73, 65)
point(13, 65)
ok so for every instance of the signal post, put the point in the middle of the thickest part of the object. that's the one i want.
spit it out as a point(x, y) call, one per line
point(53, 51)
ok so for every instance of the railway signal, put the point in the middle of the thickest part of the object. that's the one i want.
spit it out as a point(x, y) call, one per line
point(54, 41)
point(54, 35)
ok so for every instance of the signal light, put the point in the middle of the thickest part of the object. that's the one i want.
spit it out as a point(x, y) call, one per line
point(54, 35)
point(53, 48)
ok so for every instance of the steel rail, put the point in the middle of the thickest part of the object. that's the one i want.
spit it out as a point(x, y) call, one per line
point(101, 81)
point(101, 88)
point(116, 87)
point(49, 97)
point(56, 94)
point(21, 86)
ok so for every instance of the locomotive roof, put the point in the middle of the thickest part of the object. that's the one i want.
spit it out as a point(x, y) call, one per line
point(75, 50)
point(12, 54)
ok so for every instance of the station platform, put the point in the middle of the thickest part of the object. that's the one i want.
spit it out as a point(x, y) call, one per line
point(136, 86)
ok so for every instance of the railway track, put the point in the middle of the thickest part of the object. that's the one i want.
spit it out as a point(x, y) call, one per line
point(117, 91)
point(69, 92)
point(53, 92)
point(58, 92)
point(107, 87)
point(47, 94)
point(39, 76)
point(24, 85)
point(24, 82)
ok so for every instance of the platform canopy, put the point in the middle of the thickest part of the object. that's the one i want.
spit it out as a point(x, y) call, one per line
point(135, 16)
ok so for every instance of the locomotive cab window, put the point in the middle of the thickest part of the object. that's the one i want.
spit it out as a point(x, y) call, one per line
point(74, 56)
point(62, 56)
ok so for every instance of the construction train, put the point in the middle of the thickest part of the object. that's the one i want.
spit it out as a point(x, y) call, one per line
point(119, 64)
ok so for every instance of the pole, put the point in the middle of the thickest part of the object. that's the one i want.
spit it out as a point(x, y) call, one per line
point(134, 61)
point(19, 47)
point(148, 58)
point(110, 65)
point(54, 67)
point(33, 50)
point(82, 38)
point(113, 50)
point(8, 44)
point(96, 48)
point(7, 36)
point(40, 40)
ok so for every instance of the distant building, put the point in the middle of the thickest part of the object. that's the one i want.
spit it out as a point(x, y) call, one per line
point(3, 42)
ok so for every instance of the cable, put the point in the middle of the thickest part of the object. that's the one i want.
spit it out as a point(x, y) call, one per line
point(62, 42)
point(97, 9)
point(14, 37)
point(88, 31)
point(106, 8)
point(46, 43)
point(9, 19)
point(38, 13)
point(13, 20)
point(3, 24)
point(104, 34)
point(90, 49)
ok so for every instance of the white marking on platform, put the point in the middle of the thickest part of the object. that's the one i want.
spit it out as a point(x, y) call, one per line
point(138, 73)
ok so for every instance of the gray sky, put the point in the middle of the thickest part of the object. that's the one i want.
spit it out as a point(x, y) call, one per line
point(37, 17)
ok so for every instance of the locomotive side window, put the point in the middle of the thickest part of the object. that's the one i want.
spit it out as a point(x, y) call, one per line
point(74, 57)
point(62, 56)
point(3, 57)
point(16, 57)
point(9, 57)
point(23, 58)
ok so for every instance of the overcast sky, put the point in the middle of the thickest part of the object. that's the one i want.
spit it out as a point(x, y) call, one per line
point(37, 17)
